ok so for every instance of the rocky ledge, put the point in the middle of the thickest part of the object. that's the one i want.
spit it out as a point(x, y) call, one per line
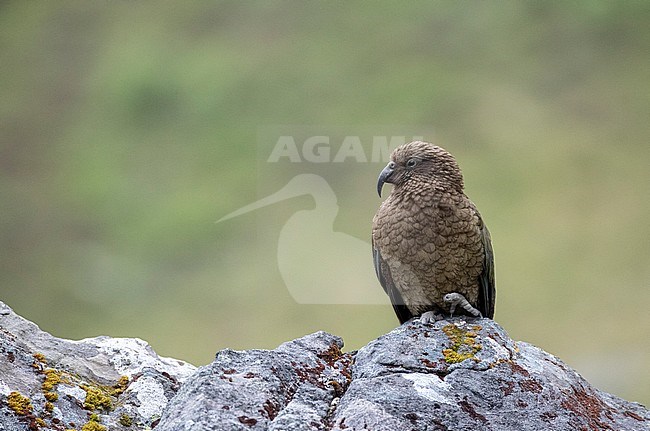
point(456, 374)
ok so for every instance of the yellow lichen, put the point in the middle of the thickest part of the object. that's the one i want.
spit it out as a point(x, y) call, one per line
point(52, 378)
point(40, 358)
point(49, 406)
point(19, 404)
point(40, 422)
point(463, 345)
point(51, 396)
point(93, 424)
point(96, 398)
point(120, 386)
point(126, 420)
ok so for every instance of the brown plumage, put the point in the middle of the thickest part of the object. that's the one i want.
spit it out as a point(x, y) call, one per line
point(428, 238)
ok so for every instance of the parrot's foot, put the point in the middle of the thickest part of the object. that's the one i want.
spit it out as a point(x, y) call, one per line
point(455, 299)
point(430, 317)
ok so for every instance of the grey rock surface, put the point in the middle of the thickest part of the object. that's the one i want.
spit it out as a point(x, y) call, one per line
point(290, 388)
point(467, 374)
point(456, 374)
point(52, 383)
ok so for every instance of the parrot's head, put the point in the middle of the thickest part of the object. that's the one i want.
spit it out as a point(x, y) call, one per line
point(418, 163)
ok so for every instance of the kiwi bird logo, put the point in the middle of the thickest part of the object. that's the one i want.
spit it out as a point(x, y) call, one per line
point(319, 265)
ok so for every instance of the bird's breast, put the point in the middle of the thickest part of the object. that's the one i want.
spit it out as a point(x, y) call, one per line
point(432, 247)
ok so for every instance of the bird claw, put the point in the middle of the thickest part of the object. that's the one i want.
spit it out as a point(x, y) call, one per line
point(430, 317)
point(454, 299)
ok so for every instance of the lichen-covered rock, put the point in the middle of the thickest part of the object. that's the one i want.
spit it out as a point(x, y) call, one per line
point(290, 388)
point(98, 383)
point(457, 374)
point(467, 374)
point(460, 374)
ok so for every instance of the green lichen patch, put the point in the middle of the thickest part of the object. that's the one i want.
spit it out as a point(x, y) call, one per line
point(52, 378)
point(20, 404)
point(97, 398)
point(120, 386)
point(51, 396)
point(463, 344)
point(93, 424)
point(126, 420)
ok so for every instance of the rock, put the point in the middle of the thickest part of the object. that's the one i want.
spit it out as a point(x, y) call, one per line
point(96, 382)
point(456, 374)
point(289, 388)
point(467, 374)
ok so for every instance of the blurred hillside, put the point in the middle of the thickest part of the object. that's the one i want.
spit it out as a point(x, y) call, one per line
point(128, 128)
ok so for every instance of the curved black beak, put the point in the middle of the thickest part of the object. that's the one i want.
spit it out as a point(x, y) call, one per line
point(384, 177)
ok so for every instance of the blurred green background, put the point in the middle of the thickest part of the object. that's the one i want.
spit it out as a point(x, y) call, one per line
point(127, 128)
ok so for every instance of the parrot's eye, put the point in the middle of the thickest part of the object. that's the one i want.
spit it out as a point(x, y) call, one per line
point(411, 163)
